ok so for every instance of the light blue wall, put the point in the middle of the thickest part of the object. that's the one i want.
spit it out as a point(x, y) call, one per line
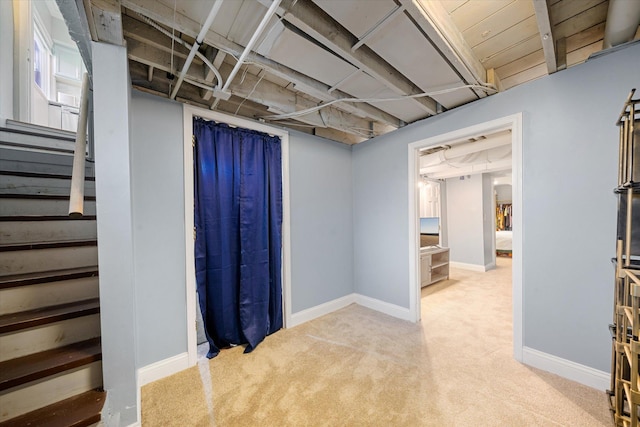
point(321, 224)
point(569, 170)
point(321, 221)
point(381, 227)
point(158, 227)
point(115, 232)
point(464, 220)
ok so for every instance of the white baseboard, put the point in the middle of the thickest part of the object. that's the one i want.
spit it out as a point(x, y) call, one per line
point(163, 368)
point(321, 310)
point(582, 374)
point(490, 266)
point(384, 307)
point(470, 267)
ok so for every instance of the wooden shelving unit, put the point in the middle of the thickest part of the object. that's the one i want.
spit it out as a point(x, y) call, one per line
point(624, 395)
point(434, 264)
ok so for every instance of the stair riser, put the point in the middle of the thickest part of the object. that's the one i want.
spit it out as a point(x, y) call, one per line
point(12, 207)
point(12, 159)
point(46, 337)
point(28, 397)
point(16, 232)
point(10, 184)
point(23, 298)
point(38, 260)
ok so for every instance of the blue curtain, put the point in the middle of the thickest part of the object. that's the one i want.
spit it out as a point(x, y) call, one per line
point(238, 219)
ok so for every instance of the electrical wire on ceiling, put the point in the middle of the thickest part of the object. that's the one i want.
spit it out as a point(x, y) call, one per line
point(368, 100)
point(175, 38)
point(250, 93)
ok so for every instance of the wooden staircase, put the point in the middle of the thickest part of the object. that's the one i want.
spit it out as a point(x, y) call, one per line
point(50, 355)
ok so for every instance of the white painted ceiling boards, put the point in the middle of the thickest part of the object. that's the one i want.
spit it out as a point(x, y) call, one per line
point(399, 60)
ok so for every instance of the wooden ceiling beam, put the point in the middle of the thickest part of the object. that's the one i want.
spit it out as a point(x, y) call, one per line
point(435, 22)
point(316, 23)
point(163, 14)
point(546, 34)
point(261, 91)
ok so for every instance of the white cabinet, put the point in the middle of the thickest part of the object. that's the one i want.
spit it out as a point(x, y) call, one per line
point(434, 264)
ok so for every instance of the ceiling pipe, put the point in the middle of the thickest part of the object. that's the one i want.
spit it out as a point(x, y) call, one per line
point(464, 149)
point(203, 31)
point(501, 165)
point(482, 157)
point(248, 48)
point(623, 19)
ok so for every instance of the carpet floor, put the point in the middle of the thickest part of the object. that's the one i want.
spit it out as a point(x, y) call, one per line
point(358, 367)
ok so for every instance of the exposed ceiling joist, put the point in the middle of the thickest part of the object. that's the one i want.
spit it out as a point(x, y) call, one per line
point(470, 169)
point(136, 30)
point(546, 33)
point(165, 16)
point(377, 27)
point(258, 90)
point(314, 21)
point(433, 19)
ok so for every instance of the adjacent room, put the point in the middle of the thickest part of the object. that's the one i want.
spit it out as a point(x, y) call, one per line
point(376, 212)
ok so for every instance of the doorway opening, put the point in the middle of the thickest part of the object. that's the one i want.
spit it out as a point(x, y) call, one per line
point(511, 125)
point(189, 112)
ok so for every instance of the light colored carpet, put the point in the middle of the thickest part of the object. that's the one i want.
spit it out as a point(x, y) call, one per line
point(357, 367)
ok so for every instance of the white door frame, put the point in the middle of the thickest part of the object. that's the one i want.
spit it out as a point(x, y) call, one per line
point(513, 123)
point(189, 112)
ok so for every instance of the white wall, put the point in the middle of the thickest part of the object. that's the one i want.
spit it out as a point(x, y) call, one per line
point(465, 220)
point(6, 61)
point(488, 221)
point(570, 159)
point(39, 106)
point(503, 193)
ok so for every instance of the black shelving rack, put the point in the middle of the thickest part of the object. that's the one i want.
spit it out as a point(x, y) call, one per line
point(624, 394)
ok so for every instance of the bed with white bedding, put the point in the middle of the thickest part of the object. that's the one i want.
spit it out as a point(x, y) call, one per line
point(504, 243)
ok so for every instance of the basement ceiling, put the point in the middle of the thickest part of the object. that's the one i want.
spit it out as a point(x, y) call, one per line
point(395, 61)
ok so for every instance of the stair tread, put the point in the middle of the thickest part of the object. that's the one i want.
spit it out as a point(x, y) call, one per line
point(41, 175)
point(27, 319)
point(22, 370)
point(77, 411)
point(48, 245)
point(38, 130)
point(42, 197)
point(26, 279)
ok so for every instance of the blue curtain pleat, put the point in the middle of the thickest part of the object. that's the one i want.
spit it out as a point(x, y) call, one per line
point(238, 219)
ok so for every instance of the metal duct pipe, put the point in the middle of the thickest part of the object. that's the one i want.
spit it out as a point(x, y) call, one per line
point(623, 18)
point(265, 20)
point(203, 32)
point(488, 156)
point(472, 170)
point(464, 149)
